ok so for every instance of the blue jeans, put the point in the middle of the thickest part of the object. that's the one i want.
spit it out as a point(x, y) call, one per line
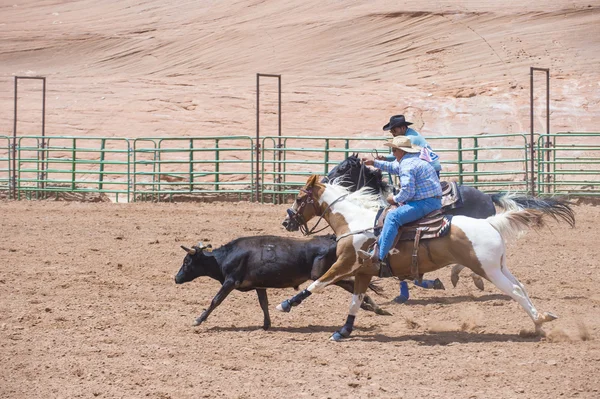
point(409, 212)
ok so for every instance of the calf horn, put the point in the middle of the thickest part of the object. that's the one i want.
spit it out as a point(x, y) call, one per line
point(191, 251)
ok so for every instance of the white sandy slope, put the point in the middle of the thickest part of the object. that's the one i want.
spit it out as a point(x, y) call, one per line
point(163, 68)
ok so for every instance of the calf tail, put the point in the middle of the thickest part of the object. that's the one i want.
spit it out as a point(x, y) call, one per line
point(512, 224)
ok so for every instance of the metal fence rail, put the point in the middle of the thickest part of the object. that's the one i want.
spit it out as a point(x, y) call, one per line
point(173, 169)
point(5, 160)
point(82, 165)
point(165, 167)
point(490, 162)
point(569, 165)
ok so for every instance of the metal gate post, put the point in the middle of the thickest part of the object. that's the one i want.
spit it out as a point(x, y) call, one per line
point(279, 145)
point(547, 144)
point(41, 172)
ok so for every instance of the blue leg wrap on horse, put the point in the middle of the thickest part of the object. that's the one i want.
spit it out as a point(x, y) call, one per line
point(404, 295)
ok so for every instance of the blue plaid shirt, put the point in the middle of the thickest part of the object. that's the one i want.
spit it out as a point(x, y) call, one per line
point(418, 179)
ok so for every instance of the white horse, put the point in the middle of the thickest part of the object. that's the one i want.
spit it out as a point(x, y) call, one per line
point(478, 244)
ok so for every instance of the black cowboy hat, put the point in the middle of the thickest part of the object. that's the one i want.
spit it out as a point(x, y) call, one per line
point(396, 120)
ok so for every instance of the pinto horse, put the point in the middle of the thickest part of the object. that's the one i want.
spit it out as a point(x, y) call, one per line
point(353, 174)
point(478, 244)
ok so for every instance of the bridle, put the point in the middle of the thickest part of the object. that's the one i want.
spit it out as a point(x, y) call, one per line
point(296, 215)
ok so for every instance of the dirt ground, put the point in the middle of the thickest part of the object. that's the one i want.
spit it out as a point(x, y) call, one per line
point(89, 308)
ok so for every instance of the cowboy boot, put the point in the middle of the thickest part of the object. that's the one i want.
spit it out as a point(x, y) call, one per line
point(373, 259)
point(369, 257)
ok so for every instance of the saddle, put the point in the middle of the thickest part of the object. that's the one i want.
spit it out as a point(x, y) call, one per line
point(451, 198)
point(433, 225)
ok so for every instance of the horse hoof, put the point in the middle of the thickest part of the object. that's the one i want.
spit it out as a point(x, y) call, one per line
point(337, 337)
point(454, 278)
point(549, 316)
point(478, 281)
point(284, 306)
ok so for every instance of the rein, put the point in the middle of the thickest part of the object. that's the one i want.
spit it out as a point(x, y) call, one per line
point(361, 176)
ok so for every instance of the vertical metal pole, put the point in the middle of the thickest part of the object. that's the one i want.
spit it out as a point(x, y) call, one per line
point(14, 148)
point(42, 175)
point(40, 178)
point(547, 140)
point(326, 166)
point(101, 168)
point(257, 135)
point(548, 146)
point(531, 149)
point(258, 146)
point(73, 164)
point(460, 162)
point(191, 171)
point(279, 177)
point(475, 161)
point(216, 164)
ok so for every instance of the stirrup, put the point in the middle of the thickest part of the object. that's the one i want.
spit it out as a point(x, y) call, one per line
point(373, 260)
point(364, 255)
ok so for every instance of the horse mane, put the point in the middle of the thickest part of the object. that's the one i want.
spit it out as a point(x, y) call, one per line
point(365, 197)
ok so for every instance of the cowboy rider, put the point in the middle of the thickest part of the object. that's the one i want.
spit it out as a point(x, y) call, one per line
point(399, 126)
point(420, 192)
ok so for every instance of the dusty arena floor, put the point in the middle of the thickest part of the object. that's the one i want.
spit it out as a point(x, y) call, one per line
point(89, 308)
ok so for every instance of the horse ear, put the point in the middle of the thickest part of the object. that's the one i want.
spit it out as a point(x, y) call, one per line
point(312, 180)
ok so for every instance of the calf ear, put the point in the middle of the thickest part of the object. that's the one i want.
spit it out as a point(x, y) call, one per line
point(203, 247)
point(208, 248)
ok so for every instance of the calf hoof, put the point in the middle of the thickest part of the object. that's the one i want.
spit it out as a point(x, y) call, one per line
point(382, 312)
point(266, 326)
point(197, 322)
point(284, 306)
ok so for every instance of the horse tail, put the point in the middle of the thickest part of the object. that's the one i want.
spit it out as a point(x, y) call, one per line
point(512, 224)
point(559, 208)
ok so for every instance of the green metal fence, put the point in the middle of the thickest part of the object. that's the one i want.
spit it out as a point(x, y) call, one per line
point(5, 160)
point(569, 165)
point(176, 169)
point(490, 162)
point(284, 169)
point(75, 165)
point(168, 167)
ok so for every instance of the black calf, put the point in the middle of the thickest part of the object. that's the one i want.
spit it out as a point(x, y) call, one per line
point(257, 263)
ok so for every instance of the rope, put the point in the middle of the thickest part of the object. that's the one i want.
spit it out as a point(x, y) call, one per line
point(351, 233)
